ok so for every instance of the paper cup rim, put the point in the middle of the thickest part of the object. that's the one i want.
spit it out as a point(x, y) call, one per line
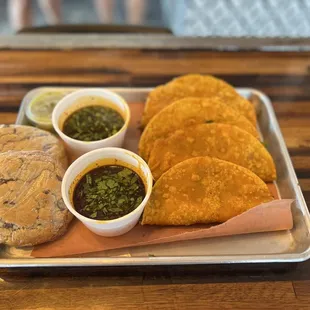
point(85, 91)
point(149, 186)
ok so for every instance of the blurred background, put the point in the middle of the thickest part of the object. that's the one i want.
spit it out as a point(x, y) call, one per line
point(209, 18)
point(14, 14)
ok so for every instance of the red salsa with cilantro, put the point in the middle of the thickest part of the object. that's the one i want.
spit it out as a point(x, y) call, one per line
point(108, 192)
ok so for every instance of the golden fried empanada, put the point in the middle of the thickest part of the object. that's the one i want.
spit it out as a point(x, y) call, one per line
point(188, 112)
point(222, 141)
point(196, 85)
point(204, 190)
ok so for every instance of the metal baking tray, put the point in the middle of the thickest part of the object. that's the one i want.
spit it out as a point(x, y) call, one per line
point(269, 247)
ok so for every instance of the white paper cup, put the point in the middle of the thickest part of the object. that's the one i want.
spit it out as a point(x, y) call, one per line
point(72, 103)
point(107, 156)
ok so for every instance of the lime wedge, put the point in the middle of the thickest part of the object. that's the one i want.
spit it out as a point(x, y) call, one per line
point(39, 110)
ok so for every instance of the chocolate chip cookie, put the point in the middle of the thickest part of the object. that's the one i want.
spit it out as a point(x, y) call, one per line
point(31, 208)
point(27, 138)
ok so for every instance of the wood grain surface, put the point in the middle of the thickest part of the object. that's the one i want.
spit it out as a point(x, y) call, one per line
point(283, 76)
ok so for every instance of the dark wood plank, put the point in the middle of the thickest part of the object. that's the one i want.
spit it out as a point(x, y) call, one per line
point(302, 289)
point(7, 118)
point(173, 296)
point(140, 66)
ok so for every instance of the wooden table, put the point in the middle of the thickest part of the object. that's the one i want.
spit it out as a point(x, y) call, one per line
point(283, 76)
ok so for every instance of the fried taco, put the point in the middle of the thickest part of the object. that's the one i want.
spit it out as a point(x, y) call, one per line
point(222, 141)
point(196, 85)
point(188, 112)
point(204, 190)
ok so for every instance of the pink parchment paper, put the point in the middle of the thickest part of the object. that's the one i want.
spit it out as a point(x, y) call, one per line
point(272, 216)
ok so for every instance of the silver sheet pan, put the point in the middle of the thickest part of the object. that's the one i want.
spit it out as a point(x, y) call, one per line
point(271, 247)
